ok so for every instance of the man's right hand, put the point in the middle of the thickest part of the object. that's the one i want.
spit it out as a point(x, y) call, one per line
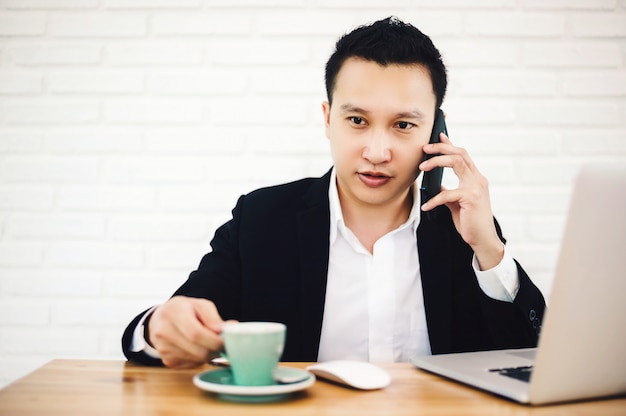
point(186, 331)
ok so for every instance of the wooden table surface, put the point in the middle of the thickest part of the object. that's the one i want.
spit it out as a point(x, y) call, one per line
point(94, 387)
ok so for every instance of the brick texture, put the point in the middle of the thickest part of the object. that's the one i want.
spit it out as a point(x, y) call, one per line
point(128, 128)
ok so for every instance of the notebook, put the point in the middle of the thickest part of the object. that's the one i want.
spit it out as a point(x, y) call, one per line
point(582, 346)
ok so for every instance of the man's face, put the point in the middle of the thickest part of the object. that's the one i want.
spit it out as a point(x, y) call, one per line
point(380, 119)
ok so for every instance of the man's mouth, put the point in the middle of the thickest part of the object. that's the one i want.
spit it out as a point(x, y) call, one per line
point(374, 179)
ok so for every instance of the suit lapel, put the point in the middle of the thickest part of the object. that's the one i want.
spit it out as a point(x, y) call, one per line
point(313, 247)
point(433, 243)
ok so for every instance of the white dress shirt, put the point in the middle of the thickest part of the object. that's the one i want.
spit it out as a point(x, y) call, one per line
point(374, 309)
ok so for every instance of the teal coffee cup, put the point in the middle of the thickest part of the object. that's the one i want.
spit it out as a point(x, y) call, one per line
point(253, 350)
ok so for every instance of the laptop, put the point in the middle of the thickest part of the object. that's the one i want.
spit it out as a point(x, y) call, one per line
point(582, 347)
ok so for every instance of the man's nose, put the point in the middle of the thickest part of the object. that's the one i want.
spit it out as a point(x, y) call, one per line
point(378, 148)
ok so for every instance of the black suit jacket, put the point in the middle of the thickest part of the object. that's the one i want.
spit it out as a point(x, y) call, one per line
point(270, 263)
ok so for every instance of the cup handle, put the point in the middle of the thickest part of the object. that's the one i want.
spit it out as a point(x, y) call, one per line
point(221, 361)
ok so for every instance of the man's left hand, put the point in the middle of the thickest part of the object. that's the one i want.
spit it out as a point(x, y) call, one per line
point(469, 203)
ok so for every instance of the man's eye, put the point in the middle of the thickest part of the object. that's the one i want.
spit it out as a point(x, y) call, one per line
point(404, 125)
point(356, 120)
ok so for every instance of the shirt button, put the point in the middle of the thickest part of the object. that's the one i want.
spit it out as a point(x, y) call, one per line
point(532, 315)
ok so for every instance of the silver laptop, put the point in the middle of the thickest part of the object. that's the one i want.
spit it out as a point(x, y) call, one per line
point(582, 347)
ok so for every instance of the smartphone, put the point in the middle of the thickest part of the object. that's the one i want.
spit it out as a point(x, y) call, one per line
point(431, 181)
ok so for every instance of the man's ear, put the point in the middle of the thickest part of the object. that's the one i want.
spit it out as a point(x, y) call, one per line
point(326, 112)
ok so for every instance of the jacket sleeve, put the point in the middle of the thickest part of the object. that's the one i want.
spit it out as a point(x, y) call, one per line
point(460, 316)
point(138, 357)
point(517, 324)
point(217, 279)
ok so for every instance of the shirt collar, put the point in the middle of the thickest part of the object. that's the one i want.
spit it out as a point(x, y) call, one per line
point(336, 215)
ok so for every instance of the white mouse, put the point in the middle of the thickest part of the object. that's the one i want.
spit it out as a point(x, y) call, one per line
point(357, 374)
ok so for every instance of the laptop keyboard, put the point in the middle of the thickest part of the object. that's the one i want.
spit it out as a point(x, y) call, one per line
point(519, 373)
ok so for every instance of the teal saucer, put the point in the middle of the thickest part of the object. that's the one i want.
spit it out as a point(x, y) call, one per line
point(221, 382)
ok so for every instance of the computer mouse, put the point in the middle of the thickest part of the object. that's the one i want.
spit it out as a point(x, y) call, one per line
point(358, 374)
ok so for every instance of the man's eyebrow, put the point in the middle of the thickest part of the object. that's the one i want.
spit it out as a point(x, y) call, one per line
point(411, 114)
point(350, 108)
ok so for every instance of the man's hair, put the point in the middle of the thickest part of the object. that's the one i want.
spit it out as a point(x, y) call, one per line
point(386, 42)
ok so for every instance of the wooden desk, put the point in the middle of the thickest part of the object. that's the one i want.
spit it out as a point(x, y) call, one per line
point(90, 387)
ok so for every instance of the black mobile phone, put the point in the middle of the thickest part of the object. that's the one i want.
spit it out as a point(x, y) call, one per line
point(431, 181)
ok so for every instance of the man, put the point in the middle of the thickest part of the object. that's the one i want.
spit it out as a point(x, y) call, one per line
point(347, 261)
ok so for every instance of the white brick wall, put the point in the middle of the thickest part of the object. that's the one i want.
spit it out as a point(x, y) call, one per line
point(128, 128)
